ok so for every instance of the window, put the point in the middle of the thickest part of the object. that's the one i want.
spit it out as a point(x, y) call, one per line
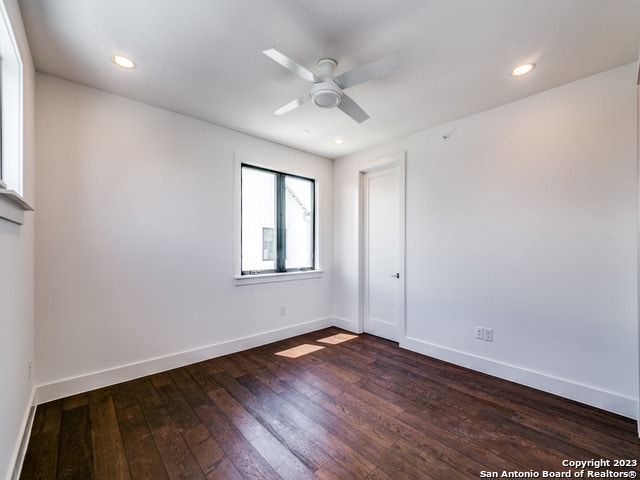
point(278, 218)
point(10, 106)
point(12, 205)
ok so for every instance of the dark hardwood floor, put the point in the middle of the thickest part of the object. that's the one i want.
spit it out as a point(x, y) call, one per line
point(361, 409)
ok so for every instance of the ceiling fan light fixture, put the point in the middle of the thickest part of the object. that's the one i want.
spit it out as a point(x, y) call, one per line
point(326, 94)
point(523, 69)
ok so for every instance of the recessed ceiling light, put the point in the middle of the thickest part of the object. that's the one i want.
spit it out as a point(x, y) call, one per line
point(523, 69)
point(123, 62)
point(338, 141)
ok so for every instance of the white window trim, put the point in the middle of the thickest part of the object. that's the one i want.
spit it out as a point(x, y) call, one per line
point(276, 277)
point(12, 206)
point(239, 279)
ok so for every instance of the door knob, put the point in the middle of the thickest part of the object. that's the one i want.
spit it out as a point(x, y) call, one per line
point(396, 275)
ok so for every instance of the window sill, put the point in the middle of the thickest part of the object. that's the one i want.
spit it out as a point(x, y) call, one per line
point(13, 206)
point(277, 277)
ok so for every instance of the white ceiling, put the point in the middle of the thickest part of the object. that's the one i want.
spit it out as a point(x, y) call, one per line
point(203, 58)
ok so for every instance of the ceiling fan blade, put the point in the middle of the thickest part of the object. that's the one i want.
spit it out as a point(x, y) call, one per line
point(351, 108)
point(293, 104)
point(290, 65)
point(372, 70)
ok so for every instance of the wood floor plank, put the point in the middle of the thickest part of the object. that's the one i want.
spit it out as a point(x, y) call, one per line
point(237, 448)
point(177, 407)
point(277, 424)
point(265, 376)
point(336, 370)
point(282, 459)
point(161, 379)
point(176, 455)
point(477, 448)
point(341, 454)
point(74, 401)
point(336, 425)
point(47, 417)
point(41, 459)
point(378, 474)
point(452, 458)
point(154, 411)
point(109, 457)
point(265, 361)
point(276, 404)
point(209, 454)
point(226, 364)
point(374, 401)
point(195, 385)
point(360, 409)
point(416, 462)
point(142, 454)
point(288, 424)
point(157, 406)
point(334, 471)
point(374, 432)
point(75, 455)
point(245, 459)
point(243, 420)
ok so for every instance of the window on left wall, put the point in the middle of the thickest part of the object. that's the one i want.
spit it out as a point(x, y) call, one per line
point(11, 107)
point(278, 222)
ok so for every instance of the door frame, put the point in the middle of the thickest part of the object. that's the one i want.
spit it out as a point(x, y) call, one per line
point(398, 161)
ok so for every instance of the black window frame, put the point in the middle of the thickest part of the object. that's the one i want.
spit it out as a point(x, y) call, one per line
point(280, 227)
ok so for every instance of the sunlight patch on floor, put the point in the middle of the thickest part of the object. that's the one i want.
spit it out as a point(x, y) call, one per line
point(339, 338)
point(299, 351)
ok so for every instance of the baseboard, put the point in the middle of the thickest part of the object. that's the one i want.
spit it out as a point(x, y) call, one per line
point(609, 401)
point(21, 448)
point(91, 381)
point(346, 324)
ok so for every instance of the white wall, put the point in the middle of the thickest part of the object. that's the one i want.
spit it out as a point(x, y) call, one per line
point(135, 242)
point(17, 285)
point(524, 221)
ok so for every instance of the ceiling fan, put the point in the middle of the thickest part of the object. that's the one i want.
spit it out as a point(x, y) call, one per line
point(328, 90)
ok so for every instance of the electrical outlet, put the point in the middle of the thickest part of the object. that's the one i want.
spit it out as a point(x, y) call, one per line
point(488, 334)
point(283, 309)
point(479, 333)
point(30, 368)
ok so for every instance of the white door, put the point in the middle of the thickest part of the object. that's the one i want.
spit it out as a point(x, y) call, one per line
point(383, 282)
